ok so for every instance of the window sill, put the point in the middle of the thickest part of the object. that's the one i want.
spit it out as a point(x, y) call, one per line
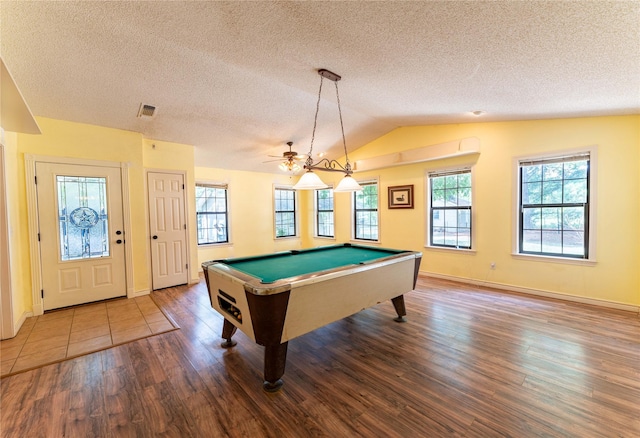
point(214, 245)
point(286, 238)
point(449, 249)
point(551, 259)
point(324, 237)
point(365, 242)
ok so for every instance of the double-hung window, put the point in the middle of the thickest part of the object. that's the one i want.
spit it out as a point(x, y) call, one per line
point(324, 213)
point(212, 214)
point(450, 209)
point(285, 212)
point(554, 202)
point(365, 212)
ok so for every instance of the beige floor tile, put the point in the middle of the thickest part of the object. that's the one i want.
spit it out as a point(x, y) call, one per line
point(6, 366)
point(56, 314)
point(127, 324)
point(90, 308)
point(129, 314)
point(43, 345)
point(89, 345)
point(59, 325)
point(10, 352)
point(156, 316)
point(161, 326)
point(82, 322)
point(40, 358)
point(89, 333)
point(129, 335)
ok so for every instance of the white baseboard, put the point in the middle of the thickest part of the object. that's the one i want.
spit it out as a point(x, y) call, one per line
point(140, 293)
point(18, 324)
point(531, 291)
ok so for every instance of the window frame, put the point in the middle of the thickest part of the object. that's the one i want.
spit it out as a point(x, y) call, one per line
point(317, 212)
point(215, 185)
point(590, 212)
point(296, 204)
point(429, 207)
point(354, 225)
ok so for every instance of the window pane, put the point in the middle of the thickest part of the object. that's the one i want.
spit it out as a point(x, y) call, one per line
point(450, 208)
point(532, 218)
point(551, 218)
point(552, 192)
point(437, 198)
point(532, 173)
point(552, 242)
point(552, 172)
point(532, 193)
point(532, 241)
point(573, 218)
point(575, 170)
point(573, 242)
point(575, 191)
point(211, 214)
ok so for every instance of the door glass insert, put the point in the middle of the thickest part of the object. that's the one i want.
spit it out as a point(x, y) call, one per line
point(82, 217)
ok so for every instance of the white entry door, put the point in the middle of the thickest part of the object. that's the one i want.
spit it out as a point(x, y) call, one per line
point(168, 229)
point(81, 233)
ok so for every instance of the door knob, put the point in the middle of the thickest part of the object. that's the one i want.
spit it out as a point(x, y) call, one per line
point(155, 237)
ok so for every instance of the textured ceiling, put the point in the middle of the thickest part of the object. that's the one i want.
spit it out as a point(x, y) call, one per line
point(238, 79)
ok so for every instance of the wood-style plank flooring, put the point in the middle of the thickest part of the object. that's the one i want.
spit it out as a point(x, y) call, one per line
point(469, 362)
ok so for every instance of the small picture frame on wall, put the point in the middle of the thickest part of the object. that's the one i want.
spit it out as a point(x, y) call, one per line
point(401, 196)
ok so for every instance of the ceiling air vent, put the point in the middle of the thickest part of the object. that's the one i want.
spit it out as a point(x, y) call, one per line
point(146, 110)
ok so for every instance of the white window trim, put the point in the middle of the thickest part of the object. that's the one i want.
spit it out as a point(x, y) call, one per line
point(427, 203)
point(296, 211)
point(229, 233)
point(315, 216)
point(592, 150)
point(353, 214)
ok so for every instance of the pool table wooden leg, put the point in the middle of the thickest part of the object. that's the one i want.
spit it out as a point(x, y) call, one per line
point(228, 330)
point(398, 304)
point(275, 358)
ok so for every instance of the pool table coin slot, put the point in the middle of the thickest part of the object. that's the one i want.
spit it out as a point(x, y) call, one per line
point(230, 309)
point(227, 296)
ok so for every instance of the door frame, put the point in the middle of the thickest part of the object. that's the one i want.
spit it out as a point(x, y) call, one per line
point(32, 209)
point(187, 231)
point(7, 326)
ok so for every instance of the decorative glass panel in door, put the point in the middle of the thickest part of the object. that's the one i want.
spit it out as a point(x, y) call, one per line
point(83, 217)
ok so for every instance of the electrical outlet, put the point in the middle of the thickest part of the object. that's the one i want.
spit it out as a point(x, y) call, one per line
point(493, 265)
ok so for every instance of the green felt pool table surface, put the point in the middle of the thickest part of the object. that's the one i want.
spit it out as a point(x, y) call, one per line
point(273, 267)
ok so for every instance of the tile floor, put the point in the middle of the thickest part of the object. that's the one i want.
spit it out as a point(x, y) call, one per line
point(71, 332)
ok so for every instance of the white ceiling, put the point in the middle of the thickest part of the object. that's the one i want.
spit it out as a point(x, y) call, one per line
point(238, 79)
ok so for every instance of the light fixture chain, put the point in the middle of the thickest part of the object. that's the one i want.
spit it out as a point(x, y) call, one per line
point(315, 119)
point(344, 141)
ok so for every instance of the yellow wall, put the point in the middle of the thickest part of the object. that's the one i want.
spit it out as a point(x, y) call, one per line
point(250, 212)
point(614, 278)
point(76, 140)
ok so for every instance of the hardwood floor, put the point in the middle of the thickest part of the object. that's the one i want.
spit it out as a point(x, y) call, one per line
point(469, 362)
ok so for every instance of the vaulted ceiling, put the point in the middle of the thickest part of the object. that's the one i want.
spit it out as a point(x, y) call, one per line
point(239, 79)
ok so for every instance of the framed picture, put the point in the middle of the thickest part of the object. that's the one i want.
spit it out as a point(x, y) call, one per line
point(401, 197)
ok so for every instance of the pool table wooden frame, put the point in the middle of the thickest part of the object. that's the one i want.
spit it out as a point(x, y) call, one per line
point(271, 314)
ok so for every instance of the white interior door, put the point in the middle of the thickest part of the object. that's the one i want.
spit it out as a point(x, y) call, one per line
point(168, 229)
point(81, 233)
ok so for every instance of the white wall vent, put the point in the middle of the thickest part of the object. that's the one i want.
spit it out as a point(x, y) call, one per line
point(146, 110)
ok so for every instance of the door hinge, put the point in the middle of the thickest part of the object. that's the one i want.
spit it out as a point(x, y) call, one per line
point(186, 266)
point(182, 186)
point(36, 179)
point(41, 293)
point(38, 237)
point(185, 226)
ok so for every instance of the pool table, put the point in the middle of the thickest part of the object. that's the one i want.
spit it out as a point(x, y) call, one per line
point(276, 297)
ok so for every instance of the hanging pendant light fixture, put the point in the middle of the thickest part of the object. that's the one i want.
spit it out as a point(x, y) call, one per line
point(310, 180)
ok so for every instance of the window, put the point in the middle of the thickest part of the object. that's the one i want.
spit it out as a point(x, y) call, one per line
point(450, 209)
point(285, 212)
point(365, 212)
point(554, 206)
point(212, 214)
point(324, 213)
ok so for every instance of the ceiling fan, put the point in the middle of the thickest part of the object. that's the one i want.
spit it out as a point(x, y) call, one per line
point(290, 160)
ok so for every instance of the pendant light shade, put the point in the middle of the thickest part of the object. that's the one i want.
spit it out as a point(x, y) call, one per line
point(348, 184)
point(310, 181)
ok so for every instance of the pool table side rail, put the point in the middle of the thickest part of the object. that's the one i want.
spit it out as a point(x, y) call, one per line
point(255, 286)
